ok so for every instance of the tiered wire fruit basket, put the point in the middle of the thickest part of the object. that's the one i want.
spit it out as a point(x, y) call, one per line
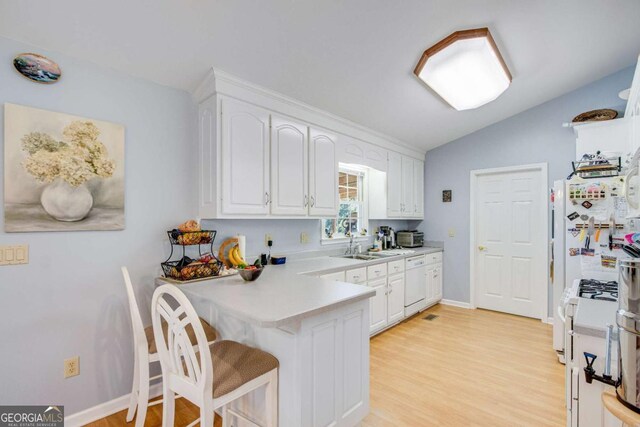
point(187, 269)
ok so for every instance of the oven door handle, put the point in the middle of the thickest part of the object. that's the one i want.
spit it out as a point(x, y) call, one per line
point(561, 314)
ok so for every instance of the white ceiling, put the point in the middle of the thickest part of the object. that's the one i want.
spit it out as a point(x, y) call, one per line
point(353, 58)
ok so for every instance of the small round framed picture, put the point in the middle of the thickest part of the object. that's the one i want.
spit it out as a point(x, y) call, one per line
point(37, 68)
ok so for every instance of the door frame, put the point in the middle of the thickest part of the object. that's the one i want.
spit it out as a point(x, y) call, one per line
point(544, 213)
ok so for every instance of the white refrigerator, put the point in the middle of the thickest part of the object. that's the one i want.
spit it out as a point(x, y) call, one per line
point(578, 252)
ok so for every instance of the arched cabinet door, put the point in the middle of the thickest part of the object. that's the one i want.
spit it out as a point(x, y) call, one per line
point(323, 174)
point(289, 167)
point(245, 158)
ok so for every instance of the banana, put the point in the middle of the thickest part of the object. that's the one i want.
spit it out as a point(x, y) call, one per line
point(222, 251)
point(232, 256)
point(241, 260)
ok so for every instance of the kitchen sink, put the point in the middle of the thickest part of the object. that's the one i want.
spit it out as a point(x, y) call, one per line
point(361, 257)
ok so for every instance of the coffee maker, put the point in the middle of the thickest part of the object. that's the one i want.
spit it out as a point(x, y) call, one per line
point(388, 237)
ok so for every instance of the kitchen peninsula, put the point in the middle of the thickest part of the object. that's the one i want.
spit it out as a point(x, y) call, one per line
point(317, 328)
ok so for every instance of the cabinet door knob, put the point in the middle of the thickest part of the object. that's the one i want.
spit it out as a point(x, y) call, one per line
point(313, 201)
point(482, 248)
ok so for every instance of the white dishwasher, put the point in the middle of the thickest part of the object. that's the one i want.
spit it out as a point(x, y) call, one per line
point(415, 291)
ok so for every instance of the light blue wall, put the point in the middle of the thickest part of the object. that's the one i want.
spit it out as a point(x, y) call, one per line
point(285, 233)
point(533, 136)
point(70, 299)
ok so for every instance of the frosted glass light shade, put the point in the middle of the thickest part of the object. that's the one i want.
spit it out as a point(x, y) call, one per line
point(465, 69)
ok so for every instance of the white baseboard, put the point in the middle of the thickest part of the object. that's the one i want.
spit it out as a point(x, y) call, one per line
point(105, 409)
point(455, 303)
point(549, 320)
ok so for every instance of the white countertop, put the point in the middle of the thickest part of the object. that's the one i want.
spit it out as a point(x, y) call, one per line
point(287, 293)
point(592, 317)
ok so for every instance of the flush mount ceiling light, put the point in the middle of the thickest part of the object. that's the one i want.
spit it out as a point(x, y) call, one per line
point(465, 69)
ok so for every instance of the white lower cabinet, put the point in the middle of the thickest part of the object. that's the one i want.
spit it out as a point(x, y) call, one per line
point(395, 298)
point(378, 305)
point(387, 308)
point(434, 283)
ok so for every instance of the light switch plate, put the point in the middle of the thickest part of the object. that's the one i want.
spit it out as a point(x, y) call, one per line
point(15, 254)
point(452, 232)
point(304, 237)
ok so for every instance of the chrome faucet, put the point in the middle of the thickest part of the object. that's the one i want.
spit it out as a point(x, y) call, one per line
point(349, 250)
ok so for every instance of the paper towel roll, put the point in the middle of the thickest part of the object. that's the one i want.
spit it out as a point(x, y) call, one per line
point(242, 245)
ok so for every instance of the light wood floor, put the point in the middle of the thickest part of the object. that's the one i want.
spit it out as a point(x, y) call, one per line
point(464, 368)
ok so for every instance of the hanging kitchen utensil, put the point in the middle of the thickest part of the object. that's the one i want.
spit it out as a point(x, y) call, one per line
point(583, 232)
point(598, 231)
point(612, 229)
point(631, 251)
point(589, 233)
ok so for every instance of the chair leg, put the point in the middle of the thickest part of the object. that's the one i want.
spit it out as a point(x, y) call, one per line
point(135, 388)
point(226, 422)
point(168, 406)
point(207, 414)
point(271, 400)
point(143, 393)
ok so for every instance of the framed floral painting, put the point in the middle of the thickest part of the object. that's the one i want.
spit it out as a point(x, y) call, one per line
point(61, 172)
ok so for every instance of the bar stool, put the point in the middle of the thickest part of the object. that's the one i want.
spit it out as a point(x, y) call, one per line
point(145, 353)
point(215, 376)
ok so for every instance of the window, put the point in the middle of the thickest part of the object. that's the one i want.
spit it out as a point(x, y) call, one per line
point(351, 216)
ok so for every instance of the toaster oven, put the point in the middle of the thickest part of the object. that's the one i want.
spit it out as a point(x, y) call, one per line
point(410, 239)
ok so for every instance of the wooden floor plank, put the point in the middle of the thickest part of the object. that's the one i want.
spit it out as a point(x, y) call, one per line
point(464, 368)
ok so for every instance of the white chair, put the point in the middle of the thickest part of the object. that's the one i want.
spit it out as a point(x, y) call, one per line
point(145, 353)
point(215, 376)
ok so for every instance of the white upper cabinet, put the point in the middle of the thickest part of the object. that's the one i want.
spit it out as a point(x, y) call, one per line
point(418, 188)
point(404, 183)
point(394, 185)
point(244, 158)
point(323, 174)
point(407, 206)
point(259, 156)
point(289, 167)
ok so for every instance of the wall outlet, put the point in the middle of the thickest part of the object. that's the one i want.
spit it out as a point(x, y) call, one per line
point(304, 237)
point(452, 232)
point(16, 254)
point(267, 237)
point(72, 366)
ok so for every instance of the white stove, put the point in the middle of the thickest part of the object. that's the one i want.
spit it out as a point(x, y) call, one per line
point(598, 289)
point(584, 408)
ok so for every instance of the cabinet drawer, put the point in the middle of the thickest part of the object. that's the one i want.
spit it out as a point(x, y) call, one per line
point(434, 258)
point(396, 266)
point(338, 276)
point(357, 275)
point(376, 271)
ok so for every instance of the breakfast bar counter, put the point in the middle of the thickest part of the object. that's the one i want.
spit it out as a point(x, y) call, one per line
point(318, 330)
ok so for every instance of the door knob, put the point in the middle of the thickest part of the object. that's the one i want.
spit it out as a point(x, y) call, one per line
point(482, 248)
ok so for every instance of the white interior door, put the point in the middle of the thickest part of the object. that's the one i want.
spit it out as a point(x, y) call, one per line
point(289, 167)
point(510, 241)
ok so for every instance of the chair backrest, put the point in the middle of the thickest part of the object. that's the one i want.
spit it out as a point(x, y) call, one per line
point(184, 371)
point(139, 338)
